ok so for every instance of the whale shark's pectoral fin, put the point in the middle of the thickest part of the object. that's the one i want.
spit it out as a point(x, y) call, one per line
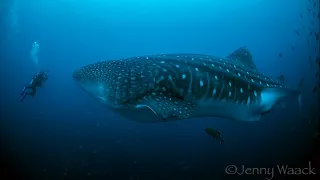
point(166, 107)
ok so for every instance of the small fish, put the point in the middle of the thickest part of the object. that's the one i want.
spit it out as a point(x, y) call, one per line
point(314, 4)
point(297, 32)
point(280, 54)
point(215, 134)
point(292, 48)
point(317, 74)
point(309, 9)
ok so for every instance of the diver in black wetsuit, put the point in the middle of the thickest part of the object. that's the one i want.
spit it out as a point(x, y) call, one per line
point(36, 81)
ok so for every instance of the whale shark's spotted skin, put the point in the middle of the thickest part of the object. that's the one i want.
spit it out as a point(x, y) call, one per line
point(181, 86)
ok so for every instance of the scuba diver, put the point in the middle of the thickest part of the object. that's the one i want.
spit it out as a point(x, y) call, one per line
point(36, 81)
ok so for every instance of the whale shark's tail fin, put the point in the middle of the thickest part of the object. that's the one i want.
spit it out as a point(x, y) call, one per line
point(298, 88)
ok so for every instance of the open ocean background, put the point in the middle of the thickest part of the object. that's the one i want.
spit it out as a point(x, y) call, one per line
point(62, 133)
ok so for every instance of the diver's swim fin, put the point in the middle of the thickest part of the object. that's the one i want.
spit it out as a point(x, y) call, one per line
point(221, 141)
point(23, 90)
point(23, 95)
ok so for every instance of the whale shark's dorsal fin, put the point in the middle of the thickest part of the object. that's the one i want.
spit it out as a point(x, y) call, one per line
point(243, 56)
point(281, 78)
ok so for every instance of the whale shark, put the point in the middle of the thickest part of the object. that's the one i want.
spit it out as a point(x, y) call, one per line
point(169, 87)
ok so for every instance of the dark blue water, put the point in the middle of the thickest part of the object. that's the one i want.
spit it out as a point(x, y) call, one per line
point(62, 133)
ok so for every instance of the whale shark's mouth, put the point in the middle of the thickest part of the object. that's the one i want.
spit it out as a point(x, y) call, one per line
point(76, 75)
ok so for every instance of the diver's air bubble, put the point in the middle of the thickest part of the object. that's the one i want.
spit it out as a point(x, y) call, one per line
point(34, 52)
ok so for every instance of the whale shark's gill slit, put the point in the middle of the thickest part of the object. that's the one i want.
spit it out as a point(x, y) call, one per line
point(115, 95)
point(221, 92)
point(234, 89)
point(231, 84)
point(190, 82)
point(208, 87)
point(173, 69)
point(172, 82)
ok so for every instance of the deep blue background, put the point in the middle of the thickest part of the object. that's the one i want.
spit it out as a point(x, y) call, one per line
point(62, 133)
